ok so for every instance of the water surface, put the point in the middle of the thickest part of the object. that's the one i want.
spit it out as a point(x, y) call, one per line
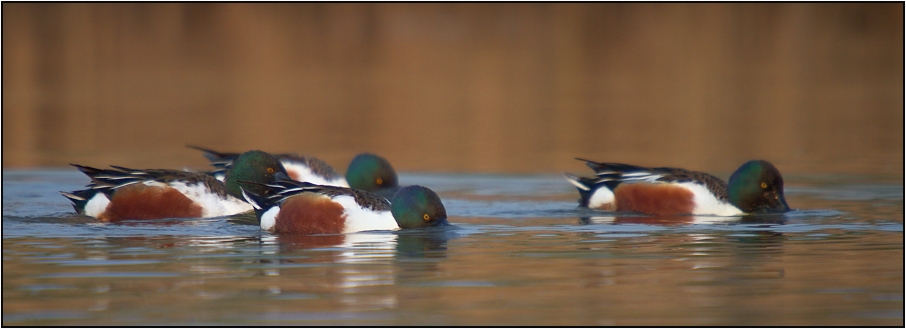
point(520, 253)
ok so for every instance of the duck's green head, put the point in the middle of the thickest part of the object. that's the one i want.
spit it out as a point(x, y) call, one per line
point(252, 166)
point(757, 187)
point(370, 173)
point(416, 207)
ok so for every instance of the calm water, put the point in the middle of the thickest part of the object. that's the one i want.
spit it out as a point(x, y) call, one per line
point(521, 254)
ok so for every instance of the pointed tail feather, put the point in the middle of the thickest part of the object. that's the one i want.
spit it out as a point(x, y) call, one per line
point(89, 171)
point(103, 176)
point(217, 159)
point(130, 171)
point(577, 181)
point(79, 199)
point(584, 185)
point(613, 168)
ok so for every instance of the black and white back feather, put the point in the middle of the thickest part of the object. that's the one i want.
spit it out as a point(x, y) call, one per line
point(612, 175)
point(285, 188)
point(108, 180)
point(223, 161)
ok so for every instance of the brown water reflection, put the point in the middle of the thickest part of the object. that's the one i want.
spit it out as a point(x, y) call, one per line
point(458, 87)
point(540, 278)
point(679, 220)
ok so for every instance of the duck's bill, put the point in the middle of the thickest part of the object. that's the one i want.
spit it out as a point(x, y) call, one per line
point(776, 204)
point(784, 207)
point(441, 223)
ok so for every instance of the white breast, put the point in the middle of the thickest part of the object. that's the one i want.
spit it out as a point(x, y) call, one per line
point(600, 197)
point(97, 205)
point(212, 204)
point(269, 219)
point(360, 219)
point(707, 204)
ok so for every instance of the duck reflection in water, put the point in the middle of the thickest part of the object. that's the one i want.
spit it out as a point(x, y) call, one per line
point(293, 242)
point(355, 266)
point(670, 220)
point(407, 244)
point(419, 253)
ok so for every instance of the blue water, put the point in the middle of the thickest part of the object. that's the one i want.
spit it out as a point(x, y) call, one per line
point(520, 253)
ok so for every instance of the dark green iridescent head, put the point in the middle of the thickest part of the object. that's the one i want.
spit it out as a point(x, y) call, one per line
point(369, 172)
point(757, 187)
point(416, 207)
point(252, 166)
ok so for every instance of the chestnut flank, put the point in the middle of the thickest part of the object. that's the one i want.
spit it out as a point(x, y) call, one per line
point(139, 201)
point(309, 213)
point(654, 199)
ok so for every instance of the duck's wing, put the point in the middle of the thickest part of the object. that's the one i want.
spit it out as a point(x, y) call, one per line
point(284, 189)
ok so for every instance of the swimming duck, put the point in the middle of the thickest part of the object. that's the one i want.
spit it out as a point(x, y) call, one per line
point(125, 193)
point(368, 172)
point(292, 207)
point(300, 168)
point(756, 187)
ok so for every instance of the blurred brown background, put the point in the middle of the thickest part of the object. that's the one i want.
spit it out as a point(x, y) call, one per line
point(814, 88)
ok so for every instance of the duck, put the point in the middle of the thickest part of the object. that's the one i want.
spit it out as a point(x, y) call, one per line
point(367, 171)
point(756, 187)
point(299, 167)
point(292, 207)
point(125, 193)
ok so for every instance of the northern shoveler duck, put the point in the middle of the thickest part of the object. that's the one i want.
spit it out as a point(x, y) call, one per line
point(300, 168)
point(367, 172)
point(755, 187)
point(125, 193)
point(292, 207)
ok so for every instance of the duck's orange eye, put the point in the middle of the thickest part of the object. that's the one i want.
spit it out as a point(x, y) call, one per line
point(270, 170)
point(764, 185)
point(379, 181)
point(426, 217)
